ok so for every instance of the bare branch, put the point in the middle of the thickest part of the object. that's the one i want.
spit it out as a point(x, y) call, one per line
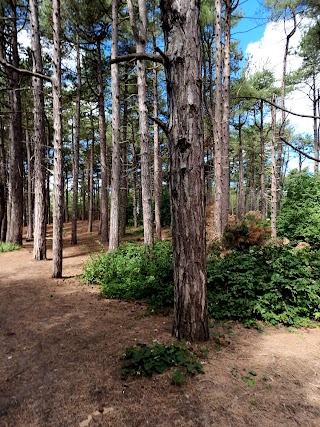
point(163, 125)
point(24, 71)
point(298, 150)
point(134, 56)
point(277, 106)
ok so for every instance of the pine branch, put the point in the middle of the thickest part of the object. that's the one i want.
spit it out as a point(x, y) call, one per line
point(298, 150)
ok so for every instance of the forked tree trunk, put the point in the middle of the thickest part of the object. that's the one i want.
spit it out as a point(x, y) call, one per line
point(57, 144)
point(39, 244)
point(104, 214)
point(76, 146)
point(186, 162)
point(116, 161)
point(141, 39)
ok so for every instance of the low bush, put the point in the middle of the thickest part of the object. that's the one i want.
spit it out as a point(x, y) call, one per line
point(275, 284)
point(134, 272)
point(8, 247)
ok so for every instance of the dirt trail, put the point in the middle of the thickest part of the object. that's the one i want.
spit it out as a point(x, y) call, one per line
point(60, 349)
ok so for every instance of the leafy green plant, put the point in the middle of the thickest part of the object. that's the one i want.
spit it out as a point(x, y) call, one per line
point(273, 284)
point(134, 272)
point(299, 218)
point(8, 247)
point(144, 360)
point(178, 377)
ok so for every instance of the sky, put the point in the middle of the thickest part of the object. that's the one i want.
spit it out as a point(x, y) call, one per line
point(264, 43)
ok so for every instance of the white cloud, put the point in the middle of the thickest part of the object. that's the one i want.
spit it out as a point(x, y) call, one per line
point(268, 53)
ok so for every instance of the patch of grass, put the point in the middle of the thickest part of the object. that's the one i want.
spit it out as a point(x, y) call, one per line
point(144, 360)
point(8, 247)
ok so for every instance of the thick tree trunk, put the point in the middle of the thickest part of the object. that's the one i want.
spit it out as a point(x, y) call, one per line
point(57, 142)
point(76, 147)
point(134, 183)
point(39, 245)
point(218, 114)
point(104, 215)
point(186, 156)
point(141, 39)
point(116, 161)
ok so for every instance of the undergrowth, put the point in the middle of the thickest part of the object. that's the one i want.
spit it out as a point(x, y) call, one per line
point(273, 284)
point(134, 272)
point(144, 360)
point(8, 247)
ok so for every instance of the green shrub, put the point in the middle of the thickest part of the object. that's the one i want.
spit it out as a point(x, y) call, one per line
point(8, 247)
point(299, 218)
point(134, 272)
point(273, 284)
point(144, 360)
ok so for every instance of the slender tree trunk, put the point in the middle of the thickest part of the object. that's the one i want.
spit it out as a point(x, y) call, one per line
point(274, 185)
point(241, 195)
point(124, 163)
point(116, 161)
point(3, 186)
point(218, 114)
point(262, 166)
point(104, 215)
point(57, 141)
point(141, 39)
point(29, 185)
point(157, 158)
point(185, 135)
point(76, 147)
point(134, 183)
point(39, 245)
point(15, 182)
point(90, 179)
point(315, 126)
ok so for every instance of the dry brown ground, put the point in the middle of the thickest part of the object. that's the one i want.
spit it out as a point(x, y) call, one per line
point(60, 350)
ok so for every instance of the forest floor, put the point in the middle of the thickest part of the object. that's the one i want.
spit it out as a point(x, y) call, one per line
point(61, 348)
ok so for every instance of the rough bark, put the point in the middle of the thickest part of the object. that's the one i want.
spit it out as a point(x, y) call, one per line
point(186, 163)
point(104, 214)
point(39, 244)
point(76, 145)
point(141, 39)
point(116, 161)
point(315, 101)
point(57, 144)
